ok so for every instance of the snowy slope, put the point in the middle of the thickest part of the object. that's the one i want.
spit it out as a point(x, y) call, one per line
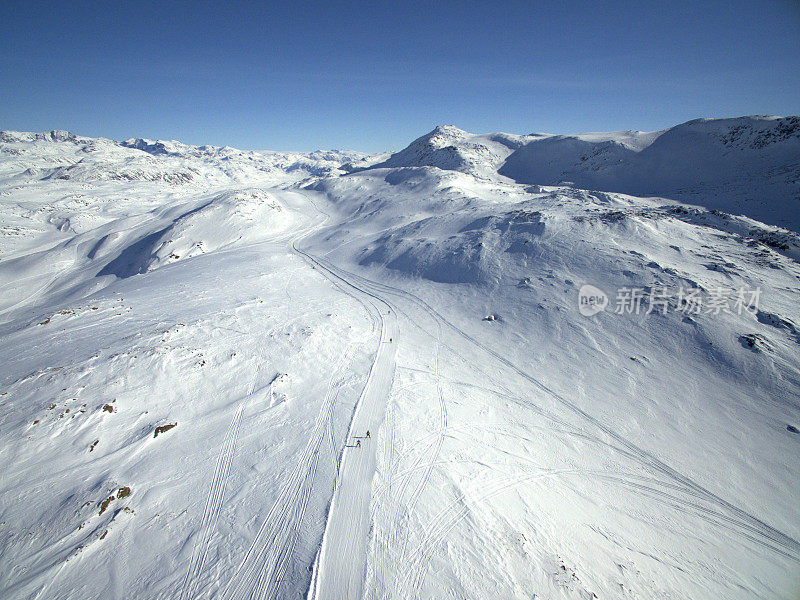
point(541, 409)
point(275, 307)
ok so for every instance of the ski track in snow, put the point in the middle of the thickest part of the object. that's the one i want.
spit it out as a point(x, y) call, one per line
point(264, 566)
point(348, 585)
point(746, 523)
point(214, 502)
point(346, 530)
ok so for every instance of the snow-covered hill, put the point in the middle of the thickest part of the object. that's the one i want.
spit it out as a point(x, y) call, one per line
point(749, 165)
point(443, 373)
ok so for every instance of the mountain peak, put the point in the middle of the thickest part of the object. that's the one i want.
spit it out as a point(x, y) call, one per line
point(449, 130)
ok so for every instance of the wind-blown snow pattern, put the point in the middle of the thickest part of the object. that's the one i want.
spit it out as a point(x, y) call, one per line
point(231, 375)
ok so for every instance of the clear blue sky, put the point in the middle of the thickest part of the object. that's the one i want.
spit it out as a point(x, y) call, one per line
point(373, 76)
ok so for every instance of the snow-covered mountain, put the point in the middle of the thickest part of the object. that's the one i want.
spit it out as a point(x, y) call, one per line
point(447, 147)
point(749, 165)
point(64, 155)
point(441, 373)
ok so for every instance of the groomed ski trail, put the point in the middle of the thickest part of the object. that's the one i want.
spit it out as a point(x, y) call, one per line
point(339, 571)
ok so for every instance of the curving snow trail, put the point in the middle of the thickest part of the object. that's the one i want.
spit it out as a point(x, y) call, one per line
point(341, 562)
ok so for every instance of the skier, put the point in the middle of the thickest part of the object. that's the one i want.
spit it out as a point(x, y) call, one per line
point(358, 443)
point(367, 436)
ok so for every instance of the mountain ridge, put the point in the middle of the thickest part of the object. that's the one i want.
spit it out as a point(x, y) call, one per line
point(743, 165)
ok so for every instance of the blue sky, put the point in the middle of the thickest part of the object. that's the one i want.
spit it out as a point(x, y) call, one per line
point(361, 75)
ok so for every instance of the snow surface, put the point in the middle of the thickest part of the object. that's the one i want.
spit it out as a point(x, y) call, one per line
point(275, 307)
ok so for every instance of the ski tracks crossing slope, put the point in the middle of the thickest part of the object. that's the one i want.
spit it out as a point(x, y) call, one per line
point(264, 568)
